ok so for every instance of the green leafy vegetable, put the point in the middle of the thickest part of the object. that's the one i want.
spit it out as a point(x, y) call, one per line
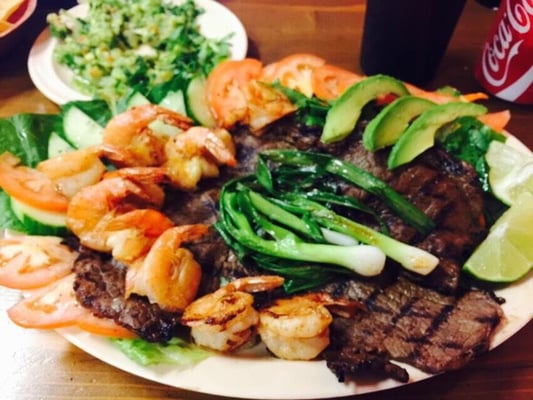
point(176, 352)
point(468, 139)
point(361, 178)
point(411, 258)
point(239, 212)
point(26, 136)
point(8, 219)
point(311, 110)
point(282, 219)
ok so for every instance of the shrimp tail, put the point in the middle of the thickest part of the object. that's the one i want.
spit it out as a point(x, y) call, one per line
point(218, 149)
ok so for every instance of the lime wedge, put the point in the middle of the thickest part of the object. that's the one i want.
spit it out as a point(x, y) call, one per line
point(510, 171)
point(506, 253)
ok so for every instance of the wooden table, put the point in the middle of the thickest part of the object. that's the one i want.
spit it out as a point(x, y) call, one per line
point(42, 365)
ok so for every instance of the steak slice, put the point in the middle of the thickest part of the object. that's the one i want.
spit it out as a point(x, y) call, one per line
point(100, 286)
point(410, 323)
point(350, 362)
point(445, 189)
point(463, 333)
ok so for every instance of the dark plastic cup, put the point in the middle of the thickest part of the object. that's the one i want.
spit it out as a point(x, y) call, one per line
point(408, 38)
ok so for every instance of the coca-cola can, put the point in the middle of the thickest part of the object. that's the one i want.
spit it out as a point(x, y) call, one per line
point(505, 68)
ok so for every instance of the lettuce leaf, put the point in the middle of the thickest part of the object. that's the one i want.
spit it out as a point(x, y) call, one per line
point(176, 351)
point(468, 139)
point(26, 136)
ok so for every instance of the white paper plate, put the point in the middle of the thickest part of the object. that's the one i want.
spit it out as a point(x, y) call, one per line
point(52, 79)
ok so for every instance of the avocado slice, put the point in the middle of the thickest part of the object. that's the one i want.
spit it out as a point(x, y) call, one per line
point(420, 135)
point(343, 115)
point(385, 129)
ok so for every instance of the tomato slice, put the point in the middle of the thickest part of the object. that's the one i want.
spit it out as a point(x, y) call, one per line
point(225, 89)
point(53, 306)
point(88, 322)
point(329, 81)
point(294, 72)
point(29, 186)
point(29, 262)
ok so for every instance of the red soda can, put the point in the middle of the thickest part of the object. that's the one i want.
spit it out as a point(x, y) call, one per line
point(505, 68)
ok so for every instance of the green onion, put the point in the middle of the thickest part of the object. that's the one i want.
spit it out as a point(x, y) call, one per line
point(353, 174)
point(364, 260)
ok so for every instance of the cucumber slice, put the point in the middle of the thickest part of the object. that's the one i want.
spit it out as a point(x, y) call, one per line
point(136, 99)
point(39, 222)
point(197, 107)
point(57, 145)
point(174, 101)
point(80, 129)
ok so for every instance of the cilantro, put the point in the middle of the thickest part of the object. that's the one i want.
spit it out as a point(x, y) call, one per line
point(468, 139)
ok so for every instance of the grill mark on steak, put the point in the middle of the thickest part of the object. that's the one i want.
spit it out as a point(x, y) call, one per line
point(462, 335)
point(410, 323)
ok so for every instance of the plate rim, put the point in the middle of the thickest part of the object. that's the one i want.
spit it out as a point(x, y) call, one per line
point(51, 78)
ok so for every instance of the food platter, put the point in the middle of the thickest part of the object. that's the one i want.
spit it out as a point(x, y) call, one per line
point(52, 79)
point(253, 373)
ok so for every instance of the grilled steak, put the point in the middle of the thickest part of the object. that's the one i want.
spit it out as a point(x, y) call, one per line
point(407, 322)
point(100, 286)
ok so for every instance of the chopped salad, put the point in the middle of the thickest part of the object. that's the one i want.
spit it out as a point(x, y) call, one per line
point(122, 45)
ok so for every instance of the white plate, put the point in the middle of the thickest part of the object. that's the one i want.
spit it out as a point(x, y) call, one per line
point(256, 375)
point(52, 79)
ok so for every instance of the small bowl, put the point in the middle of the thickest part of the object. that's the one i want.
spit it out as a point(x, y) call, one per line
point(10, 36)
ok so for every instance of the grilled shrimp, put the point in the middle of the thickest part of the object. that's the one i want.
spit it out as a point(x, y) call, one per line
point(73, 170)
point(265, 105)
point(119, 213)
point(226, 319)
point(236, 94)
point(168, 275)
point(132, 139)
point(196, 153)
point(297, 328)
